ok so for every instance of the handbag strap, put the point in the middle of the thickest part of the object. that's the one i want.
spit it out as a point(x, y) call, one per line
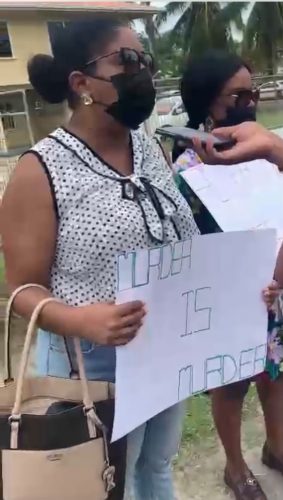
point(7, 329)
point(89, 410)
point(8, 377)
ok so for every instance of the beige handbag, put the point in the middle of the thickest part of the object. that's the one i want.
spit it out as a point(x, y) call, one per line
point(54, 456)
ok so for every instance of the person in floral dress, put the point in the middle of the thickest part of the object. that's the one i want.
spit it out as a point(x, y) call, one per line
point(217, 91)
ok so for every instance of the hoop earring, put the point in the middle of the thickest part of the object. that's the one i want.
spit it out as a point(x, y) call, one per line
point(86, 99)
point(209, 124)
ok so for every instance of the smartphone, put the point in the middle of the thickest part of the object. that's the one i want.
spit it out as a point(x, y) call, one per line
point(188, 134)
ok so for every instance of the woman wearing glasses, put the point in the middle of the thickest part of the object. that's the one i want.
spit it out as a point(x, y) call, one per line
point(217, 91)
point(79, 198)
point(84, 194)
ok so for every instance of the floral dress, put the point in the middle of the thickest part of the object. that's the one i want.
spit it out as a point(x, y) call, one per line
point(207, 224)
point(274, 363)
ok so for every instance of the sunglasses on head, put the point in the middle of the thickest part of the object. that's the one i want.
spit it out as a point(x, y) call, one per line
point(131, 59)
point(244, 97)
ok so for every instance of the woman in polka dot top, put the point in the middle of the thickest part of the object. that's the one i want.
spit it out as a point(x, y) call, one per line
point(80, 197)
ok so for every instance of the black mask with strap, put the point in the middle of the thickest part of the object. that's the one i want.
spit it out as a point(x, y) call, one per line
point(136, 98)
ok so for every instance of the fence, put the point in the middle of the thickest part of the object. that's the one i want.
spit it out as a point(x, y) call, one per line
point(7, 165)
point(165, 88)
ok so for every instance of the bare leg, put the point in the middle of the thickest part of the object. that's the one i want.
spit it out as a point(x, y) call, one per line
point(271, 397)
point(227, 404)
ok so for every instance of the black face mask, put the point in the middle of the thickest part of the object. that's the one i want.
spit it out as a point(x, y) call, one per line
point(136, 98)
point(238, 115)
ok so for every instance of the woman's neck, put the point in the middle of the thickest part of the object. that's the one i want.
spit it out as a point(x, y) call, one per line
point(100, 136)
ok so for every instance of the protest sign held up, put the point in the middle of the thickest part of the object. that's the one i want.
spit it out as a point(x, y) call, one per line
point(206, 324)
point(237, 195)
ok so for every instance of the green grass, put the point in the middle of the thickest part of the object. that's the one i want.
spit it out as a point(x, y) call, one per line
point(198, 423)
point(271, 119)
point(199, 432)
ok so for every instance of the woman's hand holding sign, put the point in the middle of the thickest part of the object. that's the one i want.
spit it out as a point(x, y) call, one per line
point(271, 294)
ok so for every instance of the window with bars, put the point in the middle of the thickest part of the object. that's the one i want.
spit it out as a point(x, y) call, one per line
point(8, 123)
point(7, 119)
point(5, 42)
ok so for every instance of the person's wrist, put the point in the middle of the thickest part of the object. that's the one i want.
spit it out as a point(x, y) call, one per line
point(75, 321)
point(79, 322)
point(62, 319)
point(267, 142)
point(274, 149)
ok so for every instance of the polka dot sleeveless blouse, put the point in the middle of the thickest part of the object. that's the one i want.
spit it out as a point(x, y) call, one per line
point(101, 213)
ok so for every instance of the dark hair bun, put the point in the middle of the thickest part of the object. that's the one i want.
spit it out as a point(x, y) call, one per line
point(48, 79)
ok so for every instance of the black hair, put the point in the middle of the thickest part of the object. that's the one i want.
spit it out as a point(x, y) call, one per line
point(74, 46)
point(203, 80)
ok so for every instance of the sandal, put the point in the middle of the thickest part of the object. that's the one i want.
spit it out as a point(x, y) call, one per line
point(245, 489)
point(270, 460)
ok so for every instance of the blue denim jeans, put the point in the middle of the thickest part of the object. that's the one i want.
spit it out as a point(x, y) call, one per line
point(151, 447)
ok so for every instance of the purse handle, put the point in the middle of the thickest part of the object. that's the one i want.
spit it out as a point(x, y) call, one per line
point(8, 377)
point(7, 329)
point(15, 417)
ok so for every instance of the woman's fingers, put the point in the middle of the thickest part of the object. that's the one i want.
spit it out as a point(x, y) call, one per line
point(200, 150)
point(206, 153)
point(224, 132)
point(131, 331)
point(270, 294)
point(211, 152)
point(241, 151)
point(132, 319)
point(128, 308)
point(127, 334)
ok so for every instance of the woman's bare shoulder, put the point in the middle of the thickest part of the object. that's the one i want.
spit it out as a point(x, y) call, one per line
point(28, 184)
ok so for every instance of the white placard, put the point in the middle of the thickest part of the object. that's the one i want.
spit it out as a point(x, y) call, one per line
point(206, 324)
point(240, 197)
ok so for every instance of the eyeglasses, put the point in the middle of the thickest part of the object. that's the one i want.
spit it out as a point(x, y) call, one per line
point(244, 97)
point(131, 59)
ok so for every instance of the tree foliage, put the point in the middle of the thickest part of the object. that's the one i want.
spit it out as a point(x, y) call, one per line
point(202, 25)
point(263, 35)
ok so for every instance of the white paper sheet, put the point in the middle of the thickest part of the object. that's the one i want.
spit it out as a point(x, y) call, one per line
point(206, 323)
point(240, 197)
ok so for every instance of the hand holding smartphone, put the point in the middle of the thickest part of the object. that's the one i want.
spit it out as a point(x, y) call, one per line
point(188, 134)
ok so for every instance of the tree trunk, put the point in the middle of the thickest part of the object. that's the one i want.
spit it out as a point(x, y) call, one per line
point(270, 53)
point(151, 34)
point(150, 30)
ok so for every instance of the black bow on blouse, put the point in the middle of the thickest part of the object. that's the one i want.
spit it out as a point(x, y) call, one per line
point(155, 205)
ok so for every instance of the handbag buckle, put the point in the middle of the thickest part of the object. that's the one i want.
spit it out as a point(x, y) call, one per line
point(14, 419)
point(108, 478)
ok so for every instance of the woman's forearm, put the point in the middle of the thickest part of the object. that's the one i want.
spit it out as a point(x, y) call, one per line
point(55, 317)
